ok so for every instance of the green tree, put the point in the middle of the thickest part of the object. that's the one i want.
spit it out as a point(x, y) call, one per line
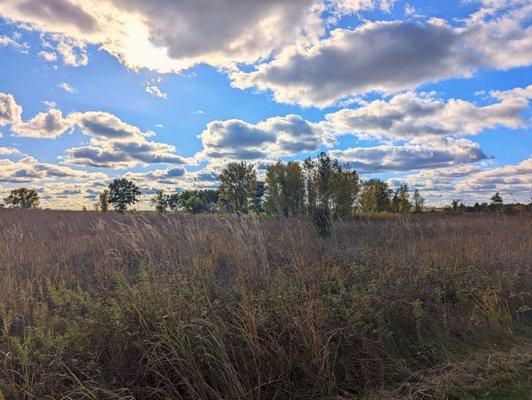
point(103, 201)
point(123, 193)
point(275, 175)
point(194, 201)
point(323, 177)
point(496, 201)
point(22, 198)
point(285, 189)
point(345, 189)
point(160, 201)
point(375, 196)
point(400, 202)
point(419, 201)
point(238, 184)
point(256, 199)
point(309, 167)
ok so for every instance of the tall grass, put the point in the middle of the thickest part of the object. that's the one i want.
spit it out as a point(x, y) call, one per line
point(107, 306)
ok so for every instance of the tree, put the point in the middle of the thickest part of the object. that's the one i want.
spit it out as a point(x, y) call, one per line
point(400, 202)
point(285, 189)
point(256, 199)
point(375, 196)
point(419, 201)
point(123, 193)
point(345, 189)
point(194, 201)
point(22, 198)
point(238, 183)
point(310, 185)
point(496, 201)
point(103, 201)
point(323, 178)
point(160, 200)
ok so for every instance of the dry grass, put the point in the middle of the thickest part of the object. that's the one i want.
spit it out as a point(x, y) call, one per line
point(107, 306)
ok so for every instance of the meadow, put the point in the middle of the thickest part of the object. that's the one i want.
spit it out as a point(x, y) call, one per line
point(151, 306)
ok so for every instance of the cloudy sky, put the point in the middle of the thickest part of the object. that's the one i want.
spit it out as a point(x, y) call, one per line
point(432, 93)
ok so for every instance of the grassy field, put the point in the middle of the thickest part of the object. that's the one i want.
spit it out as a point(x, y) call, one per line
point(109, 306)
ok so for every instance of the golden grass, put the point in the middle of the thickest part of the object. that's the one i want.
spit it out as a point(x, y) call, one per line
point(108, 306)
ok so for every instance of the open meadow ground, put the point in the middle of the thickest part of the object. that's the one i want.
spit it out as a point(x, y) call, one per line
point(148, 306)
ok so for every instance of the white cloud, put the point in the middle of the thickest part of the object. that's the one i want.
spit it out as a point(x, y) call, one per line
point(29, 169)
point(173, 36)
point(391, 56)
point(272, 138)
point(410, 115)
point(411, 156)
point(48, 56)
point(13, 42)
point(66, 87)
point(10, 111)
point(155, 91)
point(9, 151)
point(50, 125)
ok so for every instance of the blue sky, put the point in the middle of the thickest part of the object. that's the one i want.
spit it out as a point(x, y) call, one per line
point(434, 94)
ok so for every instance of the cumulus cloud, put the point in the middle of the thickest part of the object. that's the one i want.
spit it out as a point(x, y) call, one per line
point(410, 115)
point(391, 56)
point(49, 125)
point(472, 183)
point(10, 111)
point(274, 137)
point(172, 36)
point(509, 179)
point(123, 153)
point(9, 151)
point(411, 156)
point(29, 169)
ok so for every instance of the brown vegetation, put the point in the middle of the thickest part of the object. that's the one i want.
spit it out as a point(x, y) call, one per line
point(151, 306)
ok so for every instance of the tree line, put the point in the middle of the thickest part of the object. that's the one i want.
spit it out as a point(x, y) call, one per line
point(321, 188)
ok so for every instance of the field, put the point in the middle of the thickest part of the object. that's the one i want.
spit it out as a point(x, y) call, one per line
point(148, 306)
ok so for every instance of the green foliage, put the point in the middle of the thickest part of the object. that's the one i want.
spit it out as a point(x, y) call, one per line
point(103, 201)
point(123, 193)
point(419, 201)
point(160, 200)
point(400, 201)
point(22, 198)
point(285, 189)
point(375, 196)
point(194, 201)
point(238, 185)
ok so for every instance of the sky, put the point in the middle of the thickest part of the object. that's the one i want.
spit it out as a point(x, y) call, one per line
point(434, 94)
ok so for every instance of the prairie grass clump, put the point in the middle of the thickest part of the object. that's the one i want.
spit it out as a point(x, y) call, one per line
point(103, 306)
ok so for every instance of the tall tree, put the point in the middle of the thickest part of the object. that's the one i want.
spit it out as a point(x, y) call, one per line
point(275, 175)
point(323, 178)
point(400, 202)
point(294, 189)
point(238, 183)
point(123, 193)
point(160, 201)
point(375, 196)
point(194, 201)
point(285, 189)
point(496, 201)
point(309, 167)
point(257, 198)
point(22, 198)
point(103, 201)
point(345, 190)
point(419, 201)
